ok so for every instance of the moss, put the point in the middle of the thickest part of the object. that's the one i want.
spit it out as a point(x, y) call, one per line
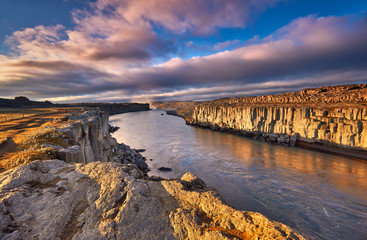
point(33, 147)
point(43, 136)
point(26, 156)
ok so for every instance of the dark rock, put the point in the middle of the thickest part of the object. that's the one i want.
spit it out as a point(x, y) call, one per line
point(155, 178)
point(165, 169)
point(113, 129)
point(140, 150)
point(22, 100)
point(142, 165)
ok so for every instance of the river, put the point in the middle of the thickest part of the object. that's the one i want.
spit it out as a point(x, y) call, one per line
point(322, 196)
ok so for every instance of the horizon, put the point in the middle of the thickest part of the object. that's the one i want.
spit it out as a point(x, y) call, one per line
point(127, 102)
point(74, 51)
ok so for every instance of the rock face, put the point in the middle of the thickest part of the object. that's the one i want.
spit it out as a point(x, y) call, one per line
point(333, 116)
point(93, 142)
point(58, 200)
point(342, 127)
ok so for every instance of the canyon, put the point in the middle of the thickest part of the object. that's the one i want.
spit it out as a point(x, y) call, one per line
point(97, 188)
point(330, 119)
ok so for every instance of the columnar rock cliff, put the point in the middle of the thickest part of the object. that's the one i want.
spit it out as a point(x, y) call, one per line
point(338, 126)
point(91, 141)
point(341, 124)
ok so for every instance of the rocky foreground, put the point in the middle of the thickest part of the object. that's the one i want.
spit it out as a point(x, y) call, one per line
point(58, 200)
point(99, 190)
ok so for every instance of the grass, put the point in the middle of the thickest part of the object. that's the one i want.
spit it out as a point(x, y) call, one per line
point(26, 156)
point(32, 134)
point(7, 114)
point(44, 136)
point(39, 145)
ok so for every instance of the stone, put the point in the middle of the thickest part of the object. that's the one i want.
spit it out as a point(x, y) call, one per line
point(112, 129)
point(342, 127)
point(203, 215)
point(58, 200)
point(93, 142)
point(293, 140)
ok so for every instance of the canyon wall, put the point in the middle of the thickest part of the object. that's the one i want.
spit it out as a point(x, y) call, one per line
point(332, 116)
point(90, 141)
point(344, 127)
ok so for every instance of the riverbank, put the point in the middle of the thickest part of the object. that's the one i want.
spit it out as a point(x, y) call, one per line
point(333, 117)
point(306, 190)
point(98, 189)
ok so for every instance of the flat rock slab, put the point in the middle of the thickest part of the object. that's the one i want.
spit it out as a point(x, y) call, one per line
point(57, 200)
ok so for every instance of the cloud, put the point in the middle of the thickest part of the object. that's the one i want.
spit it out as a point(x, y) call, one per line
point(223, 45)
point(180, 16)
point(110, 53)
point(291, 52)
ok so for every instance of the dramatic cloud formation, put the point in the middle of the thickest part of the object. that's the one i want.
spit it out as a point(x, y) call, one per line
point(129, 50)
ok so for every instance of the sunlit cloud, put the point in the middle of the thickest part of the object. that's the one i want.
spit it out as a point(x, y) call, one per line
point(224, 45)
point(111, 53)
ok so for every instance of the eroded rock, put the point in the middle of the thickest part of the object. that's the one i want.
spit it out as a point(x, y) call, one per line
point(58, 200)
point(203, 215)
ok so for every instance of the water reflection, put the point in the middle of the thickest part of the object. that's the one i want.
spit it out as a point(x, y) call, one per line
point(321, 195)
point(346, 174)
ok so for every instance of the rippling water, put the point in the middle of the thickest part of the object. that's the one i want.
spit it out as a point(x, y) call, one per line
point(320, 195)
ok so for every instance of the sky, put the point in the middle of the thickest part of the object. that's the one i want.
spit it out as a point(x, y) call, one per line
point(175, 50)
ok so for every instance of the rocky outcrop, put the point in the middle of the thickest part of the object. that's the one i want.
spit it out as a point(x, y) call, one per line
point(91, 141)
point(331, 116)
point(342, 127)
point(58, 200)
